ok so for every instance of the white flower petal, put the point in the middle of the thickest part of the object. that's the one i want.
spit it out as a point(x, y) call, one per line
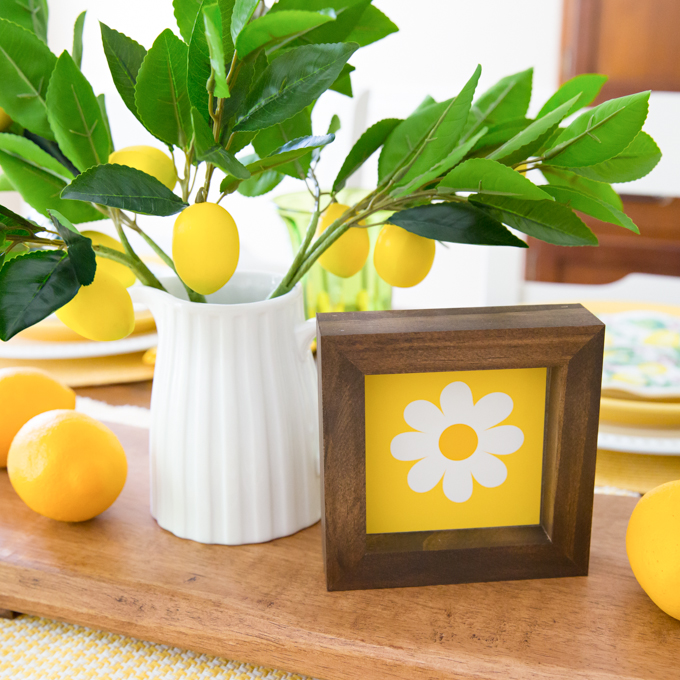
point(458, 483)
point(501, 440)
point(488, 470)
point(425, 475)
point(424, 416)
point(456, 402)
point(413, 446)
point(491, 410)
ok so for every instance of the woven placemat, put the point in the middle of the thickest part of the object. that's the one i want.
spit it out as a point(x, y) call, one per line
point(33, 648)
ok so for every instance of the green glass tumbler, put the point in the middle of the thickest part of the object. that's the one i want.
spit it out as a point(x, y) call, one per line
point(323, 291)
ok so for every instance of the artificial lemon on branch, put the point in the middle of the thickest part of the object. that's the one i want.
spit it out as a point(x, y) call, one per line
point(230, 99)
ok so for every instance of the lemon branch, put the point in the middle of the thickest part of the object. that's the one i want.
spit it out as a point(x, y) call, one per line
point(193, 295)
point(142, 272)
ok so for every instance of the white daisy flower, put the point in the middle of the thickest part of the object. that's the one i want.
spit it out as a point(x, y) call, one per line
point(458, 442)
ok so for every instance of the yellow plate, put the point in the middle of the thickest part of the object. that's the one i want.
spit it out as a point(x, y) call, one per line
point(632, 412)
point(53, 330)
point(111, 370)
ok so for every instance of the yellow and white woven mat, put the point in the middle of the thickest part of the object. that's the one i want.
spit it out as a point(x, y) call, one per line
point(32, 648)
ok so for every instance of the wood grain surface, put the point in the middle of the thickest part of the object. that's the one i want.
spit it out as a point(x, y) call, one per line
point(268, 603)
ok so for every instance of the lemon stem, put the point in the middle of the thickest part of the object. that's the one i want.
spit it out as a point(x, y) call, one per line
point(193, 295)
point(124, 259)
point(142, 272)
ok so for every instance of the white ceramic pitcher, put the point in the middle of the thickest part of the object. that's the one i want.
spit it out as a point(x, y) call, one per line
point(234, 448)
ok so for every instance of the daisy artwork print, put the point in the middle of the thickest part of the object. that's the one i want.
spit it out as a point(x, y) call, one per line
point(454, 450)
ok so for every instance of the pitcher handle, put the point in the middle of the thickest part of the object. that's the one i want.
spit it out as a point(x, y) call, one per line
point(305, 332)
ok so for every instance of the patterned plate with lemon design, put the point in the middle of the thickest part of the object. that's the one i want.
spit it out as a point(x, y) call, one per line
point(642, 353)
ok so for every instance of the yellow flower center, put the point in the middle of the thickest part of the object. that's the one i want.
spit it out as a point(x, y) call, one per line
point(458, 442)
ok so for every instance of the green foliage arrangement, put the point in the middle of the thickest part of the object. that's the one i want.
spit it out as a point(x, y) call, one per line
point(242, 75)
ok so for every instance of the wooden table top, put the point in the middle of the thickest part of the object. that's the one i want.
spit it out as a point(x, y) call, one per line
point(267, 604)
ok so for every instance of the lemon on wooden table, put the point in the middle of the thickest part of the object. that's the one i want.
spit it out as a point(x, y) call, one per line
point(148, 159)
point(5, 120)
point(205, 247)
point(349, 253)
point(653, 546)
point(401, 258)
point(116, 269)
point(67, 466)
point(101, 311)
point(24, 393)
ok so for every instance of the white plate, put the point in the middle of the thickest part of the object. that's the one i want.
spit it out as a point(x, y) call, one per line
point(658, 442)
point(37, 350)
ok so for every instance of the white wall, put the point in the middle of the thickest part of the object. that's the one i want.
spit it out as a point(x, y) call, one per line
point(435, 52)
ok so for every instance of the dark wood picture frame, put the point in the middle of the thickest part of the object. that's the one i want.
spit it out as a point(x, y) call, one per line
point(566, 339)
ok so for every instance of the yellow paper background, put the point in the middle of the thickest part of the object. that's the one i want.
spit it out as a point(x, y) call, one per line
point(392, 506)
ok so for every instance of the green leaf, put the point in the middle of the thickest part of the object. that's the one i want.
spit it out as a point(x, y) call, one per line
point(26, 64)
point(638, 159)
point(407, 136)
point(508, 99)
point(209, 150)
point(260, 184)
point(212, 20)
point(120, 186)
point(161, 91)
point(601, 133)
point(363, 149)
point(29, 14)
point(343, 83)
point(372, 26)
point(591, 206)
point(125, 57)
point(185, 12)
point(33, 286)
point(444, 134)
point(276, 25)
point(545, 220)
point(489, 177)
point(599, 190)
point(38, 183)
point(455, 223)
point(77, 51)
point(243, 11)
point(455, 157)
point(199, 62)
point(79, 248)
point(349, 14)
point(269, 140)
point(288, 152)
point(10, 220)
point(75, 116)
point(498, 134)
point(585, 86)
point(101, 101)
point(291, 82)
point(31, 153)
point(5, 184)
point(334, 125)
point(529, 140)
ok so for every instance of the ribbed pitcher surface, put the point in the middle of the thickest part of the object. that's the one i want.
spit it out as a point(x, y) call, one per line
point(234, 446)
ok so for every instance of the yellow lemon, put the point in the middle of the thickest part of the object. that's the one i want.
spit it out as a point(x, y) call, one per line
point(205, 247)
point(349, 253)
point(24, 393)
point(101, 311)
point(5, 120)
point(653, 546)
point(116, 269)
point(148, 159)
point(401, 258)
point(67, 466)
